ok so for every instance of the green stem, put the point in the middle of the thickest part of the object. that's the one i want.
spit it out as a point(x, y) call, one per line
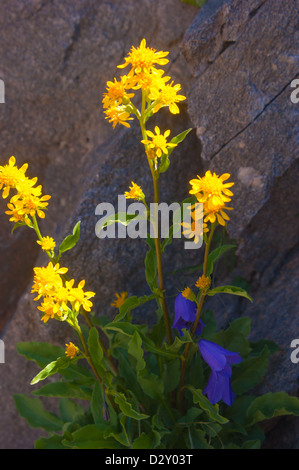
point(39, 235)
point(197, 318)
point(155, 178)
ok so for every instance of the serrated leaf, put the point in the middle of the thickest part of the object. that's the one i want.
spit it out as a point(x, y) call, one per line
point(135, 350)
point(37, 417)
point(92, 437)
point(205, 404)
point(127, 407)
point(271, 405)
point(230, 290)
point(71, 240)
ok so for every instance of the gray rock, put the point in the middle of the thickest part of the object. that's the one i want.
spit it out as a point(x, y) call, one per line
point(55, 61)
point(243, 58)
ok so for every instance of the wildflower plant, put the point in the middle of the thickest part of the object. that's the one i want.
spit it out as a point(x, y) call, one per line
point(179, 382)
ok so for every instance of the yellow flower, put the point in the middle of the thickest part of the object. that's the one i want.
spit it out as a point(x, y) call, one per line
point(47, 280)
point(213, 193)
point(150, 80)
point(16, 217)
point(71, 350)
point(135, 192)
point(116, 92)
point(189, 294)
point(118, 115)
point(79, 298)
point(159, 142)
point(212, 187)
point(195, 229)
point(215, 212)
point(47, 243)
point(203, 282)
point(11, 176)
point(167, 96)
point(120, 298)
point(143, 59)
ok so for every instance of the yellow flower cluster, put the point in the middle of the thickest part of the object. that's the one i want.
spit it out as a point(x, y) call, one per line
point(59, 296)
point(71, 350)
point(143, 75)
point(28, 201)
point(213, 193)
point(47, 243)
point(203, 282)
point(120, 299)
point(135, 192)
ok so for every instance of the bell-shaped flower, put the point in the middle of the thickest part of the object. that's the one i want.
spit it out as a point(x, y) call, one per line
point(185, 314)
point(220, 360)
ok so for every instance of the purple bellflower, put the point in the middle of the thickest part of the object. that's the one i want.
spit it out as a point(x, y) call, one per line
point(185, 314)
point(220, 360)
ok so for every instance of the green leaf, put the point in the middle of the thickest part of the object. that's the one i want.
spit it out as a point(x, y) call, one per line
point(234, 337)
point(230, 290)
point(148, 440)
point(92, 437)
point(16, 225)
point(204, 403)
point(258, 346)
point(135, 350)
point(215, 255)
point(96, 404)
point(71, 240)
point(249, 372)
point(52, 368)
point(164, 165)
point(171, 375)
point(69, 410)
point(40, 352)
point(120, 218)
point(130, 303)
point(95, 350)
point(53, 442)
point(63, 389)
point(178, 139)
point(271, 405)
point(126, 407)
point(37, 417)
point(151, 384)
